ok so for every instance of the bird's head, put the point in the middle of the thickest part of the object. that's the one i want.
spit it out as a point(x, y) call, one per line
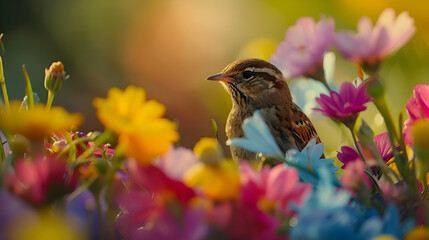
point(253, 80)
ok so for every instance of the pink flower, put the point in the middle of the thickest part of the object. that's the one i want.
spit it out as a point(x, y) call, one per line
point(371, 44)
point(272, 189)
point(417, 107)
point(382, 142)
point(355, 176)
point(345, 105)
point(154, 198)
point(235, 220)
point(265, 199)
point(40, 181)
point(177, 161)
point(301, 53)
point(60, 143)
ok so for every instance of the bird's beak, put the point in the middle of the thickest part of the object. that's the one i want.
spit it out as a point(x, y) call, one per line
point(220, 77)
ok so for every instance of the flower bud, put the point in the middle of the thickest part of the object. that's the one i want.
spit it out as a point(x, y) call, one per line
point(365, 135)
point(54, 77)
point(374, 87)
point(420, 132)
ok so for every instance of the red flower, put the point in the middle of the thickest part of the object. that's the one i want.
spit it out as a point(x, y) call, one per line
point(41, 181)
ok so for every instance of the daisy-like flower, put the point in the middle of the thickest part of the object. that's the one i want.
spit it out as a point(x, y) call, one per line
point(37, 123)
point(143, 133)
point(345, 105)
point(301, 53)
point(371, 44)
point(417, 108)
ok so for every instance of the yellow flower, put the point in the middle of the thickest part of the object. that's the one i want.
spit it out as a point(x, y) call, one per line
point(420, 131)
point(209, 151)
point(144, 145)
point(143, 133)
point(37, 123)
point(418, 233)
point(218, 177)
point(385, 237)
point(48, 227)
point(219, 182)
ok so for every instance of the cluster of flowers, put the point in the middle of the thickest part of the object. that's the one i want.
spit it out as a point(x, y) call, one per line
point(56, 181)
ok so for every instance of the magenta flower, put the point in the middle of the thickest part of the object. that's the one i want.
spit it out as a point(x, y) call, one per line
point(417, 108)
point(272, 189)
point(382, 142)
point(371, 44)
point(301, 53)
point(346, 105)
point(154, 198)
point(40, 181)
point(347, 156)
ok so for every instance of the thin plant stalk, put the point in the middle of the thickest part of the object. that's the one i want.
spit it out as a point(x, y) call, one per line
point(50, 100)
point(3, 86)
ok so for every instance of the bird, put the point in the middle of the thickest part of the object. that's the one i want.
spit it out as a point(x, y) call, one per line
point(255, 84)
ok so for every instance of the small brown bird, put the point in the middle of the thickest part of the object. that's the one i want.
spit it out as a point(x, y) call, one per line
point(255, 84)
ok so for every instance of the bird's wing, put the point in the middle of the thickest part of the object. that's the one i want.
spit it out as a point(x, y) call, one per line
point(303, 130)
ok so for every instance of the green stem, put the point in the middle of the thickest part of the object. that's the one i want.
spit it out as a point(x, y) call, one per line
point(101, 139)
point(50, 100)
point(3, 86)
point(357, 146)
point(401, 157)
point(100, 215)
point(2, 153)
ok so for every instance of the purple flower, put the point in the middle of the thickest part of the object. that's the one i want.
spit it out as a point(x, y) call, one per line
point(301, 53)
point(417, 107)
point(371, 44)
point(345, 105)
point(382, 142)
point(347, 155)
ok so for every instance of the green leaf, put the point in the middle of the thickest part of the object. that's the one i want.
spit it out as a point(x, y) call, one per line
point(214, 124)
point(28, 88)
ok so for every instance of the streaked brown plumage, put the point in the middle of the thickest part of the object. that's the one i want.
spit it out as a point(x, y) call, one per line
point(255, 84)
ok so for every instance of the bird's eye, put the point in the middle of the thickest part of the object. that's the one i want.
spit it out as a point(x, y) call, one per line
point(248, 74)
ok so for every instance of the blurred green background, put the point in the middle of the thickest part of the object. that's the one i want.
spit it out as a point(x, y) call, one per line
point(169, 47)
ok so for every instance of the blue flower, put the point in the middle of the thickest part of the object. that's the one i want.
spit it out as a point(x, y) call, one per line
point(388, 225)
point(257, 138)
point(332, 214)
point(326, 215)
point(309, 158)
